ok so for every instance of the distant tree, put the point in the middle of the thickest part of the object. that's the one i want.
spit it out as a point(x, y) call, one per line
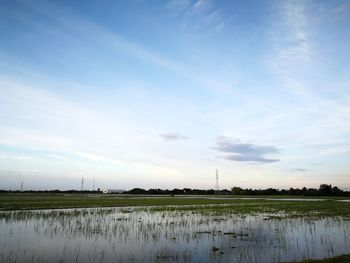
point(312, 192)
point(292, 191)
point(303, 190)
point(188, 191)
point(177, 191)
point(237, 190)
point(138, 191)
point(325, 189)
point(336, 191)
point(224, 192)
point(271, 191)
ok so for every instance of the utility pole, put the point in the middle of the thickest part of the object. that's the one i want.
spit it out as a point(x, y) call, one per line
point(217, 181)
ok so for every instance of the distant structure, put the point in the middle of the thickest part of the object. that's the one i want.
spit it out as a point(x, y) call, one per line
point(217, 181)
point(82, 184)
point(112, 191)
point(93, 185)
point(22, 186)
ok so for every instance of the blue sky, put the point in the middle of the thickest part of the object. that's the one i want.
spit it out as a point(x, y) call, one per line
point(161, 93)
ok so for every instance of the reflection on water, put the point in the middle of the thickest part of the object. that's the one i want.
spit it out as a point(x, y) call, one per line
point(142, 235)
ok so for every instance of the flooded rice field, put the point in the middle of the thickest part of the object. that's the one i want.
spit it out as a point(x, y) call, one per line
point(148, 235)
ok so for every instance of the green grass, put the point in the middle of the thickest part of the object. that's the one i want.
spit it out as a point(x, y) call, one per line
point(13, 201)
point(22, 201)
point(292, 208)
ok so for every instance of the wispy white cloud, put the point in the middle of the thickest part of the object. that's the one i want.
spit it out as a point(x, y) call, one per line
point(99, 132)
point(69, 130)
point(172, 136)
point(299, 170)
point(292, 48)
point(22, 157)
point(15, 156)
point(201, 16)
point(296, 62)
point(200, 5)
point(62, 23)
point(178, 4)
point(56, 156)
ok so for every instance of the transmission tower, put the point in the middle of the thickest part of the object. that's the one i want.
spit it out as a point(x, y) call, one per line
point(217, 181)
point(93, 185)
point(82, 184)
point(22, 186)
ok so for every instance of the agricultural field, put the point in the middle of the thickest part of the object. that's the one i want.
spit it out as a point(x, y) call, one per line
point(116, 228)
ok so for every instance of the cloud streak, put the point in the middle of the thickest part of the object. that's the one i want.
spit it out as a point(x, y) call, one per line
point(293, 48)
point(172, 136)
point(299, 170)
point(236, 150)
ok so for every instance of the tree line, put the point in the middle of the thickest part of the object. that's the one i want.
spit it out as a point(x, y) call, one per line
point(323, 190)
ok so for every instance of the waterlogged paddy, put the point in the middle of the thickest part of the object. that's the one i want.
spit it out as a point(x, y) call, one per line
point(148, 235)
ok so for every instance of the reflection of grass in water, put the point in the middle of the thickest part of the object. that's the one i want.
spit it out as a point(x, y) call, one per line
point(226, 229)
point(340, 259)
point(272, 209)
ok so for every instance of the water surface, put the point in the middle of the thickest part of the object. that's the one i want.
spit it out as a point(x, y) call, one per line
point(144, 235)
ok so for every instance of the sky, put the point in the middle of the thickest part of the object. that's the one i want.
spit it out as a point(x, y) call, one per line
point(160, 94)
